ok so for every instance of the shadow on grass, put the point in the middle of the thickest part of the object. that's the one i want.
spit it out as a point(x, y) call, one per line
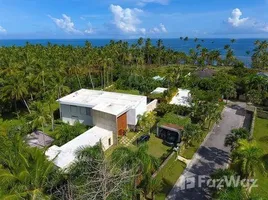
point(166, 186)
point(264, 139)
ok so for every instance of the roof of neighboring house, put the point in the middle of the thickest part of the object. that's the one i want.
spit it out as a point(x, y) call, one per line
point(65, 155)
point(39, 139)
point(159, 90)
point(263, 74)
point(108, 102)
point(158, 78)
point(172, 127)
point(182, 98)
point(205, 73)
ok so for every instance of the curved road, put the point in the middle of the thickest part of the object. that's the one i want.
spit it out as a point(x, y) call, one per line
point(211, 155)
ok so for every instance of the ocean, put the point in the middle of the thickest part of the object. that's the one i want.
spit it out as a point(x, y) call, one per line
point(240, 46)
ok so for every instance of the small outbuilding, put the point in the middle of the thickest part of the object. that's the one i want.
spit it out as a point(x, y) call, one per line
point(39, 139)
point(170, 133)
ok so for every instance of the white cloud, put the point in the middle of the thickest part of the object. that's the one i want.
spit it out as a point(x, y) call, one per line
point(126, 19)
point(66, 24)
point(90, 29)
point(163, 28)
point(143, 31)
point(160, 29)
point(236, 20)
point(2, 30)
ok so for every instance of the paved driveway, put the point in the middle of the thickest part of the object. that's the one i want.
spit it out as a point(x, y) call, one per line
point(211, 155)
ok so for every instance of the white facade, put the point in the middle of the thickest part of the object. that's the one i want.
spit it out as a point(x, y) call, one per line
point(65, 155)
point(80, 106)
point(182, 98)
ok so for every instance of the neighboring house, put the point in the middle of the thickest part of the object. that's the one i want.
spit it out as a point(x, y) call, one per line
point(159, 90)
point(264, 74)
point(65, 155)
point(205, 73)
point(182, 98)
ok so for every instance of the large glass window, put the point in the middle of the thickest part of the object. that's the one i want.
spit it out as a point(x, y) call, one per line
point(88, 111)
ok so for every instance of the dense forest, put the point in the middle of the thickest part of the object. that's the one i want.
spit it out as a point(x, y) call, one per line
point(33, 77)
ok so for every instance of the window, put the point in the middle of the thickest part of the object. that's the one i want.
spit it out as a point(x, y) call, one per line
point(73, 109)
point(109, 141)
point(88, 111)
point(82, 111)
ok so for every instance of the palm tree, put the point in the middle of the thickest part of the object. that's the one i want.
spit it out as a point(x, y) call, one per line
point(40, 115)
point(142, 163)
point(247, 157)
point(16, 89)
point(233, 41)
point(236, 135)
point(150, 185)
point(25, 173)
point(191, 133)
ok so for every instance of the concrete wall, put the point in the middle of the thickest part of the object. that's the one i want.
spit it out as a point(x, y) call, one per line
point(140, 109)
point(106, 121)
point(70, 114)
point(105, 142)
point(152, 105)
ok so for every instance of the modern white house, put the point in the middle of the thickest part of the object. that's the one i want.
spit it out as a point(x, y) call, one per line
point(109, 114)
point(112, 111)
point(65, 155)
point(182, 98)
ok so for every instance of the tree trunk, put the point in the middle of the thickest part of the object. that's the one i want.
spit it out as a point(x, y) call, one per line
point(52, 121)
point(27, 106)
point(92, 84)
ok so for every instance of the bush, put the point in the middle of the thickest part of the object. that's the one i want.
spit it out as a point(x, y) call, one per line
point(66, 132)
point(164, 108)
point(171, 118)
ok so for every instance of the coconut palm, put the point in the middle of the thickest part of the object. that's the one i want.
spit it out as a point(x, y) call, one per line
point(150, 185)
point(247, 157)
point(236, 135)
point(25, 172)
point(40, 115)
point(15, 89)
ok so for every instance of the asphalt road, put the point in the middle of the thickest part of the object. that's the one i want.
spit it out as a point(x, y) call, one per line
point(211, 155)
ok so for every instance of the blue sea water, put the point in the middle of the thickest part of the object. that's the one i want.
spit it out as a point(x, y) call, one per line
point(240, 46)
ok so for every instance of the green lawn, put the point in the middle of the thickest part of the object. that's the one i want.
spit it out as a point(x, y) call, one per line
point(169, 175)
point(261, 136)
point(156, 146)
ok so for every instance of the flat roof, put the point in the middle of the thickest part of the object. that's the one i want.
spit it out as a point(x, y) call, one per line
point(159, 90)
point(182, 98)
point(65, 155)
point(108, 102)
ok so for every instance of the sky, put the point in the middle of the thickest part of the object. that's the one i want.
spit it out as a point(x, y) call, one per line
point(114, 19)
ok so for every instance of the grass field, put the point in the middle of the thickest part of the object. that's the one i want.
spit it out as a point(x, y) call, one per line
point(261, 136)
point(156, 146)
point(169, 175)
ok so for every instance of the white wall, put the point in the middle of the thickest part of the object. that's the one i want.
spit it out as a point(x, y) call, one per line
point(105, 142)
point(105, 121)
point(132, 114)
point(151, 106)
point(70, 114)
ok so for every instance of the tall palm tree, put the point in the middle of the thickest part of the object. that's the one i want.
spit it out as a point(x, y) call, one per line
point(247, 157)
point(15, 89)
point(40, 115)
point(25, 173)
